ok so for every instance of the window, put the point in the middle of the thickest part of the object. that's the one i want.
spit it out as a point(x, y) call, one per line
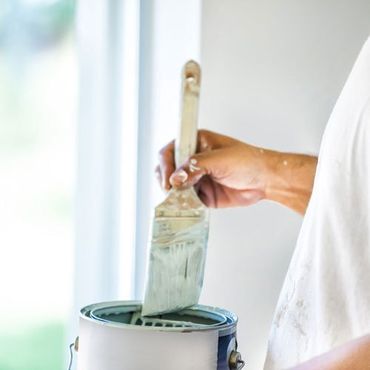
point(81, 119)
point(38, 100)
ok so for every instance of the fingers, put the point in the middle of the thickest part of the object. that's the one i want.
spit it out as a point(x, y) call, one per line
point(167, 159)
point(206, 191)
point(194, 169)
point(207, 141)
point(188, 174)
point(166, 165)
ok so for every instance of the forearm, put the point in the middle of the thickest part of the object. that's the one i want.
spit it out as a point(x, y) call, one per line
point(354, 355)
point(291, 179)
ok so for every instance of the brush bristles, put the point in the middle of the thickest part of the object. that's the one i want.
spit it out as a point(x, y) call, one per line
point(176, 270)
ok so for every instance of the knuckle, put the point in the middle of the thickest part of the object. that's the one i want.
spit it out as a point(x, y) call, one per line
point(166, 152)
point(205, 138)
point(162, 152)
point(204, 133)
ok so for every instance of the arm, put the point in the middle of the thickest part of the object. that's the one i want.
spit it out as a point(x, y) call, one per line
point(354, 355)
point(291, 180)
point(229, 173)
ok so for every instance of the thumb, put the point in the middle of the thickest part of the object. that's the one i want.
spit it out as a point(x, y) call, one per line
point(198, 165)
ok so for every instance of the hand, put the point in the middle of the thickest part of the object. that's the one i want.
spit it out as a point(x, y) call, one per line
point(225, 172)
point(353, 355)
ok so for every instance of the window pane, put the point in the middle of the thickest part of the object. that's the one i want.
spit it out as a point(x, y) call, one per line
point(38, 94)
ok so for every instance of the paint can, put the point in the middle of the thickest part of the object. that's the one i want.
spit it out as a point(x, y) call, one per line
point(115, 336)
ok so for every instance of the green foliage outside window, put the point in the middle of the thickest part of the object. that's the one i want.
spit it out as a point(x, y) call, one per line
point(35, 41)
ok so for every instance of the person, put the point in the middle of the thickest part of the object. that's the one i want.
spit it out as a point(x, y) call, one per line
point(322, 320)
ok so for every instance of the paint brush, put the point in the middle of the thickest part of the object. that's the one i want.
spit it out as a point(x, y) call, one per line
point(179, 230)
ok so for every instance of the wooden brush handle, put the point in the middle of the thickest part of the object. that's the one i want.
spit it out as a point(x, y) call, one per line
point(186, 141)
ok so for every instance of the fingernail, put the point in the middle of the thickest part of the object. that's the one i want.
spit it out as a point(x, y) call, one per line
point(179, 177)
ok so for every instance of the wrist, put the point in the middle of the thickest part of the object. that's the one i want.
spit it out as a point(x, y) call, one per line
point(275, 174)
point(290, 179)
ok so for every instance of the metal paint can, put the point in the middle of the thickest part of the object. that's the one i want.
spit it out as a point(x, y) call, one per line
point(114, 336)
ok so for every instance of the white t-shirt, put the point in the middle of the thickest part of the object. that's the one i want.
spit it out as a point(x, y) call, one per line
point(325, 300)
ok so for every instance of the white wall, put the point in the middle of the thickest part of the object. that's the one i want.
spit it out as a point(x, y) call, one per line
point(272, 70)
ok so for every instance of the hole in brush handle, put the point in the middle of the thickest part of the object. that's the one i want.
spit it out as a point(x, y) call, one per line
point(192, 72)
point(187, 133)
